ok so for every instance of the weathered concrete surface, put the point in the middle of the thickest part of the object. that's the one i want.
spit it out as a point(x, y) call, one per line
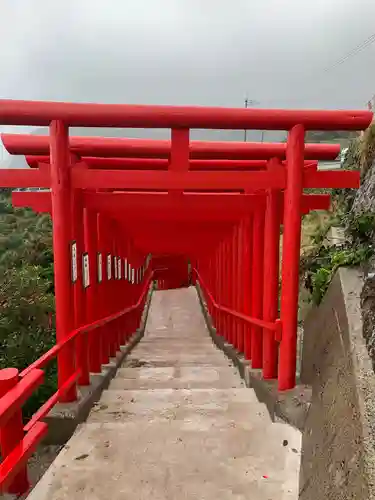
point(338, 440)
point(182, 377)
point(63, 419)
point(176, 423)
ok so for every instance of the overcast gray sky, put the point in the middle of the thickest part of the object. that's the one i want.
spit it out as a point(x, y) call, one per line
point(204, 52)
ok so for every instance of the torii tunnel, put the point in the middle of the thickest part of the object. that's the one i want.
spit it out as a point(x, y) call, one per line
point(129, 212)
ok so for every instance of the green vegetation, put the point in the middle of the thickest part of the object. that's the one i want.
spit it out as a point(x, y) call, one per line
point(321, 259)
point(26, 292)
point(342, 137)
point(319, 266)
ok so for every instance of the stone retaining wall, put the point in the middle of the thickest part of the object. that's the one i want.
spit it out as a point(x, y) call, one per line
point(338, 447)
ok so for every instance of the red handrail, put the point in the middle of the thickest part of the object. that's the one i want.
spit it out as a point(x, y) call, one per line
point(274, 326)
point(13, 476)
point(15, 461)
point(52, 353)
point(16, 397)
point(50, 403)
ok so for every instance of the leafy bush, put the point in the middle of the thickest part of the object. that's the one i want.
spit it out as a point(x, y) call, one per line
point(320, 263)
point(320, 266)
point(26, 293)
point(360, 227)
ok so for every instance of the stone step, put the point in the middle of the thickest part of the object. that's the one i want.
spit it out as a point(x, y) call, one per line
point(168, 332)
point(163, 460)
point(204, 342)
point(175, 351)
point(171, 426)
point(171, 339)
point(175, 359)
point(203, 346)
point(184, 377)
point(214, 407)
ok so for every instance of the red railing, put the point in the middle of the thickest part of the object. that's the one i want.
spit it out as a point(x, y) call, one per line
point(274, 326)
point(19, 441)
point(242, 309)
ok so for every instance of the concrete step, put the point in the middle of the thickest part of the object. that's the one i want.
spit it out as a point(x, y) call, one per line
point(151, 347)
point(166, 342)
point(164, 460)
point(167, 333)
point(171, 425)
point(213, 407)
point(183, 377)
point(177, 353)
point(177, 359)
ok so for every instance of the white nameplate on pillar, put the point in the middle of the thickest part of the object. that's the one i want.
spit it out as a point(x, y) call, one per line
point(126, 269)
point(133, 276)
point(115, 266)
point(74, 262)
point(85, 270)
point(119, 268)
point(109, 266)
point(100, 267)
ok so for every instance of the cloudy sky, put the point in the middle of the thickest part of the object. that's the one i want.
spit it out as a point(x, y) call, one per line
point(279, 53)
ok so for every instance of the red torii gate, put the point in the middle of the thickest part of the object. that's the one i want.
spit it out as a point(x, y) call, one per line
point(231, 197)
point(263, 175)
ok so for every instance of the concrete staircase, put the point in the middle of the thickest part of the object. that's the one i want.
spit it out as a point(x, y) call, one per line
point(176, 423)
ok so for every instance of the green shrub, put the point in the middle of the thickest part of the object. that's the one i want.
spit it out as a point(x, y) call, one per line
point(26, 293)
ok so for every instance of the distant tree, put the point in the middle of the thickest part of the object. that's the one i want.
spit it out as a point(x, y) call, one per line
point(329, 136)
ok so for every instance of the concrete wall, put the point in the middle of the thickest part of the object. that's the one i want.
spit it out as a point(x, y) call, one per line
point(338, 448)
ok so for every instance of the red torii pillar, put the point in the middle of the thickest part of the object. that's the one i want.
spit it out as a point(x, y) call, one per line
point(271, 282)
point(291, 257)
point(61, 208)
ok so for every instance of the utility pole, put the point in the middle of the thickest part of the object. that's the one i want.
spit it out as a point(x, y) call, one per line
point(249, 102)
point(245, 131)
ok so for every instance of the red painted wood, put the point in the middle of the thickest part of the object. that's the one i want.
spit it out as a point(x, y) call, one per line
point(79, 293)
point(109, 147)
point(271, 282)
point(41, 113)
point(62, 239)
point(149, 179)
point(257, 288)
point(162, 163)
point(291, 257)
point(11, 431)
point(190, 206)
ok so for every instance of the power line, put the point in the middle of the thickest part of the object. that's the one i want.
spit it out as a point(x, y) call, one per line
point(353, 52)
point(356, 50)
